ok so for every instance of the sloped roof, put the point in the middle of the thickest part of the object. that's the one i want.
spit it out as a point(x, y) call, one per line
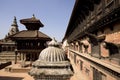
point(81, 9)
point(30, 34)
point(31, 20)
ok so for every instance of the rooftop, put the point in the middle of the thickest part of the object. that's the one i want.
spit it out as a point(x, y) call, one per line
point(31, 34)
point(32, 23)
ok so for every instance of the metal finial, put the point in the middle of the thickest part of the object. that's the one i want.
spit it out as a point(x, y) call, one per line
point(14, 17)
point(53, 43)
point(33, 16)
point(14, 21)
point(54, 39)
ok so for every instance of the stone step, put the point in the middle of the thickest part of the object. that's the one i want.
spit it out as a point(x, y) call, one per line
point(6, 60)
point(9, 56)
point(2, 58)
point(7, 53)
point(17, 68)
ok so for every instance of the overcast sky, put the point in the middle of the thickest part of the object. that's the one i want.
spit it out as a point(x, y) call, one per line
point(54, 14)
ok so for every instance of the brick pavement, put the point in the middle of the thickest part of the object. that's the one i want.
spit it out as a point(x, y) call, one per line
point(24, 76)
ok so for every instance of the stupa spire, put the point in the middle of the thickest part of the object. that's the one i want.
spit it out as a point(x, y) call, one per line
point(14, 27)
point(14, 22)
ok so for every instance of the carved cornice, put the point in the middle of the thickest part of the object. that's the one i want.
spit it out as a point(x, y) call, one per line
point(110, 18)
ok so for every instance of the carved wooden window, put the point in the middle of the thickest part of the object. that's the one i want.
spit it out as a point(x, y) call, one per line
point(99, 15)
point(97, 75)
point(9, 48)
point(12, 48)
point(70, 46)
point(88, 20)
point(117, 3)
point(103, 76)
point(81, 65)
point(92, 14)
point(74, 58)
point(80, 47)
point(87, 71)
point(108, 1)
point(99, 8)
point(3, 48)
point(109, 5)
point(72, 55)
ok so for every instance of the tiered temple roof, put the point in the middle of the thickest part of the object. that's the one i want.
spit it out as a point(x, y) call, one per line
point(32, 32)
point(30, 42)
point(32, 23)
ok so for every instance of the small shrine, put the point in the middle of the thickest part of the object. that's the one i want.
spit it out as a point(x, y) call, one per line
point(52, 64)
point(30, 42)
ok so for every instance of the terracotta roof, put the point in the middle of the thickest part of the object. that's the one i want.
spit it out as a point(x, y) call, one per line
point(30, 34)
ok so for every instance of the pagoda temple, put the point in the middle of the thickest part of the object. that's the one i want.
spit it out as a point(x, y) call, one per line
point(30, 42)
point(7, 46)
point(52, 64)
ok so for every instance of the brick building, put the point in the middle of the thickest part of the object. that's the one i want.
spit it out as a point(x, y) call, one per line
point(93, 36)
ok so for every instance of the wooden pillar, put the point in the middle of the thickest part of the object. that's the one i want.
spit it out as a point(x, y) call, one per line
point(22, 60)
point(20, 56)
point(24, 55)
point(15, 57)
point(30, 59)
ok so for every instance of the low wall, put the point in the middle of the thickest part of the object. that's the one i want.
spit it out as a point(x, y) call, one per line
point(3, 65)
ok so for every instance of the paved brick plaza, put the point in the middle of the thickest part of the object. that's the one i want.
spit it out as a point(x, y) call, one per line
point(4, 75)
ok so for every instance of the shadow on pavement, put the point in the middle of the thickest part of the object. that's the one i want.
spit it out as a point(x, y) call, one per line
point(10, 78)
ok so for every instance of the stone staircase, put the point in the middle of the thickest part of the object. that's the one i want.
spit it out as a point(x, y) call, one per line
point(6, 56)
